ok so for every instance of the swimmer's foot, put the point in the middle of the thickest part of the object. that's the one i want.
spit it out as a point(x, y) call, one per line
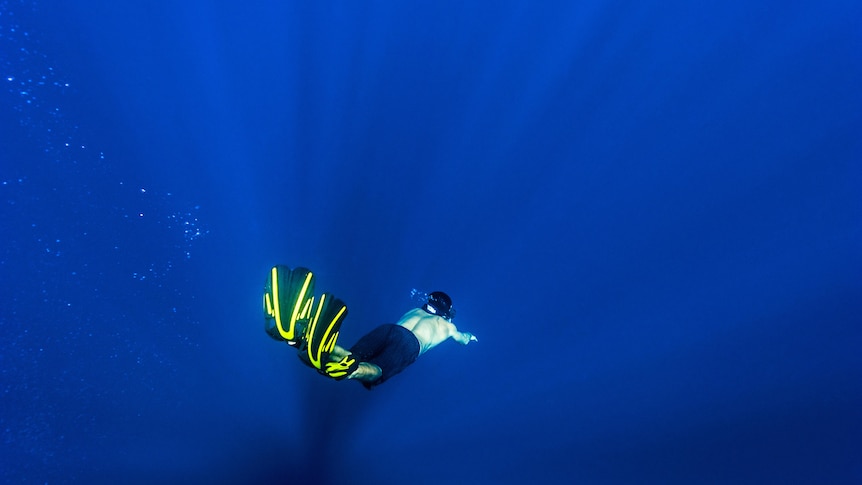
point(342, 369)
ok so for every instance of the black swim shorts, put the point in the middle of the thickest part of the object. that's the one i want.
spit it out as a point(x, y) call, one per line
point(390, 347)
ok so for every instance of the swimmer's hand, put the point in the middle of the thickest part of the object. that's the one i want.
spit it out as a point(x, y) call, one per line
point(465, 338)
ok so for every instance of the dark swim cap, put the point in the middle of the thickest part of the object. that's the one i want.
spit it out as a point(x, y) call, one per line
point(440, 304)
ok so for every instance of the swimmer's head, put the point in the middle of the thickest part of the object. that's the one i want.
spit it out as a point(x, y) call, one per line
point(439, 304)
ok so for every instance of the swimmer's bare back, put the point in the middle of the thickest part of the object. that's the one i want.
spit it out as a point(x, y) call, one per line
point(432, 330)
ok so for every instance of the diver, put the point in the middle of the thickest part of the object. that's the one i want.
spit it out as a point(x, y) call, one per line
point(291, 316)
point(390, 348)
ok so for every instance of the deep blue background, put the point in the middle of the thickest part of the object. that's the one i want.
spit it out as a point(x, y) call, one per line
point(648, 212)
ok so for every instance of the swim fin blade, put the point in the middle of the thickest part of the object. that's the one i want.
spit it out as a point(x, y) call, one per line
point(288, 300)
point(323, 329)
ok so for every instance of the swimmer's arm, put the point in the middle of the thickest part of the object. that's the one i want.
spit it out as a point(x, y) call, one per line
point(462, 338)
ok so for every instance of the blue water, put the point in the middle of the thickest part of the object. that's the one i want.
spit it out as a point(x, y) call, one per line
point(648, 212)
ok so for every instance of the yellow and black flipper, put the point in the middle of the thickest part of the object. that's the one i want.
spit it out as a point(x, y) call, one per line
point(288, 300)
point(343, 368)
point(323, 329)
